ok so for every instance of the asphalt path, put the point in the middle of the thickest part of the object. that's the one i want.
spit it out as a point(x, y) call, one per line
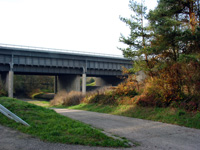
point(150, 135)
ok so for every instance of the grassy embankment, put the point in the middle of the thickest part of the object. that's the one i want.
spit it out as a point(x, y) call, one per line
point(47, 125)
point(167, 115)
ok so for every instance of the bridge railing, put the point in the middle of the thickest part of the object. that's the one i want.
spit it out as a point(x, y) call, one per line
point(57, 50)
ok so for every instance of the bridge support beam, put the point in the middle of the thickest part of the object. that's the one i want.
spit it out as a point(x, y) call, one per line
point(10, 83)
point(108, 81)
point(84, 83)
point(68, 83)
point(7, 81)
point(55, 84)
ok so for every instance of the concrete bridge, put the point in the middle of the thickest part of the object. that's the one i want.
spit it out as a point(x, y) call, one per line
point(66, 66)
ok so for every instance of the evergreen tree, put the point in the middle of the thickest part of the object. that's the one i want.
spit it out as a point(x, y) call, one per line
point(138, 40)
point(176, 28)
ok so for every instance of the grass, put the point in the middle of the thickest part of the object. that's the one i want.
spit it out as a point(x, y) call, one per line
point(91, 84)
point(40, 103)
point(47, 125)
point(166, 115)
point(67, 98)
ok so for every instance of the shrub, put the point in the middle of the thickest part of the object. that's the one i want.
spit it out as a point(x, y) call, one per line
point(67, 99)
point(73, 98)
point(127, 88)
point(3, 92)
point(176, 84)
point(163, 88)
point(189, 103)
point(102, 95)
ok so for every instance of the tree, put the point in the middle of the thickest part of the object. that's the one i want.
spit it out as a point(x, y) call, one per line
point(138, 40)
point(176, 28)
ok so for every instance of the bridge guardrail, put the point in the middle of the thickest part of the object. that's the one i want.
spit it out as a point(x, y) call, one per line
point(57, 50)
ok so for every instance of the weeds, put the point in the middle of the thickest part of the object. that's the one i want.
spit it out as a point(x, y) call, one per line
point(67, 99)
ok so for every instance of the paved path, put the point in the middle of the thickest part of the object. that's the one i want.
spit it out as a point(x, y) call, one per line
point(151, 135)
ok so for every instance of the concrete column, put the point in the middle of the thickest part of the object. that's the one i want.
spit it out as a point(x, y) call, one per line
point(55, 84)
point(7, 81)
point(10, 83)
point(84, 83)
point(68, 83)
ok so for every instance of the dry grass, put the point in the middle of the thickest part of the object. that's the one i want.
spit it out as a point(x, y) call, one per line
point(75, 98)
point(90, 97)
point(67, 99)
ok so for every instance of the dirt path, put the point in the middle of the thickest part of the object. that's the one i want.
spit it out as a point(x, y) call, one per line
point(151, 135)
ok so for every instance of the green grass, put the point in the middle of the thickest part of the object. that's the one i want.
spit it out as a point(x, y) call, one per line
point(40, 103)
point(47, 125)
point(166, 115)
point(91, 84)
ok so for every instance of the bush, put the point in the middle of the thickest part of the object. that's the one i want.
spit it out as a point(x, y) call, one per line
point(67, 99)
point(2, 90)
point(177, 84)
point(101, 96)
point(124, 93)
point(189, 103)
point(3, 93)
point(163, 88)
point(127, 88)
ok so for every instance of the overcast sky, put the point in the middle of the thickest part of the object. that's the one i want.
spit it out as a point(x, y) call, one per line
point(82, 25)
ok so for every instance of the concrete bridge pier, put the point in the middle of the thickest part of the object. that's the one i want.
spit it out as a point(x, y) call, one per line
point(7, 79)
point(55, 84)
point(68, 83)
point(84, 78)
point(108, 81)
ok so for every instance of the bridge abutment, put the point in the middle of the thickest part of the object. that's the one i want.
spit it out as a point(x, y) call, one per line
point(108, 81)
point(68, 83)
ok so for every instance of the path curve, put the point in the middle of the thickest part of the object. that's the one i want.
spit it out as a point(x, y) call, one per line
point(149, 134)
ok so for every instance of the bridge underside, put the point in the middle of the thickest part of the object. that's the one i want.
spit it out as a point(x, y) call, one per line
point(67, 67)
point(67, 79)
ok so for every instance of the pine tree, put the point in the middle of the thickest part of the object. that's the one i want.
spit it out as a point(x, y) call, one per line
point(176, 28)
point(138, 40)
